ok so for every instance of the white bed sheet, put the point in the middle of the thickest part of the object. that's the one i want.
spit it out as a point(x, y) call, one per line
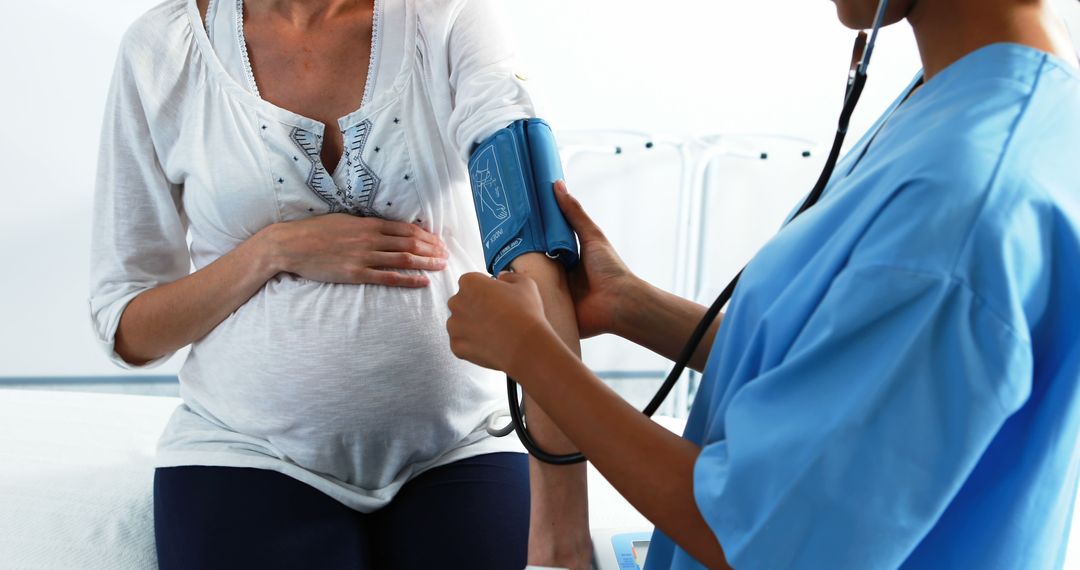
point(76, 473)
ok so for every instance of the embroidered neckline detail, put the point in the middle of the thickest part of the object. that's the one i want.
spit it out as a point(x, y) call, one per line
point(362, 182)
point(244, 59)
point(209, 12)
point(373, 57)
point(357, 196)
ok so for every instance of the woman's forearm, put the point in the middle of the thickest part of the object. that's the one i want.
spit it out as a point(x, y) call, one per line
point(663, 322)
point(559, 529)
point(172, 316)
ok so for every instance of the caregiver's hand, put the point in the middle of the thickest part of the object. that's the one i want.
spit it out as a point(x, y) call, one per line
point(339, 248)
point(601, 282)
point(492, 321)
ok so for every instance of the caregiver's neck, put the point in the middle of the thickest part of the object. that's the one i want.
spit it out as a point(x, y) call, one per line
point(947, 30)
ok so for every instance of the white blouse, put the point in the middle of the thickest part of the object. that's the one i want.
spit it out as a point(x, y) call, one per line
point(349, 388)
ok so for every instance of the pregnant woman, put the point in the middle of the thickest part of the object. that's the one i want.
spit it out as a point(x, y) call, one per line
point(282, 186)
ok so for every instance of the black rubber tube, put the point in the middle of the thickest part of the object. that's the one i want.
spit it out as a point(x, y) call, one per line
point(517, 419)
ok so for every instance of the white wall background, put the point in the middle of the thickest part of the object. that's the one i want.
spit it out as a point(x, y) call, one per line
point(681, 66)
point(687, 67)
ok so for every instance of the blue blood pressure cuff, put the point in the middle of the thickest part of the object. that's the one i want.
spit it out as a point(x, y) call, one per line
point(512, 174)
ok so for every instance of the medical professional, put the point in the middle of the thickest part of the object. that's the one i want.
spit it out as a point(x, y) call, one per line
point(896, 381)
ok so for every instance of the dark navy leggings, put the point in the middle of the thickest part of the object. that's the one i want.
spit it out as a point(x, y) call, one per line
point(470, 514)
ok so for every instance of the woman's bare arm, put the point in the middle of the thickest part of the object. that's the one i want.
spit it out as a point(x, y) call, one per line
point(171, 316)
point(559, 529)
point(609, 298)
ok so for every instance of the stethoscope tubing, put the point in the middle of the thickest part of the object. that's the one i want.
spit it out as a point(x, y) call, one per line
point(856, 82)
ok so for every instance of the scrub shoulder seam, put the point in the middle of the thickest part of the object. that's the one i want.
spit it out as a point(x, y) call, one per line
point(994, 184)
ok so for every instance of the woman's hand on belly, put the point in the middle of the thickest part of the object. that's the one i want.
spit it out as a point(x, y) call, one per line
point(333, 248)
point(339, 248)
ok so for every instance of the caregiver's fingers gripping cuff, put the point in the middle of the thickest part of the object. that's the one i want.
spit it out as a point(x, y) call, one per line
point(580, 221)
point(512, 174)
point(601, 284)
point(493, 320)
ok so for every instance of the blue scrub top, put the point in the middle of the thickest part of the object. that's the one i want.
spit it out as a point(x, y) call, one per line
point(897, 379)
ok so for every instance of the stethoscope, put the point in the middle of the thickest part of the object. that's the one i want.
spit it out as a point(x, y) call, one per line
point(860, 60)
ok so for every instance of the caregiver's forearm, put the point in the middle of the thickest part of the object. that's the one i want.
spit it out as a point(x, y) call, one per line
point(663, 322)
point(172, 316)
point(650, 466)
point(559, 529)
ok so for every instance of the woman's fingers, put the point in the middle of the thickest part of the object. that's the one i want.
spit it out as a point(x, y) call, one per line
point(413, 245)
point(405, 260)
point(402, 229)
point(393, 279)
point(575, 214)
point(340, 248)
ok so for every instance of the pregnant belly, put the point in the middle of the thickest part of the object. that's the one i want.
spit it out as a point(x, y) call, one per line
point(336, 377)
